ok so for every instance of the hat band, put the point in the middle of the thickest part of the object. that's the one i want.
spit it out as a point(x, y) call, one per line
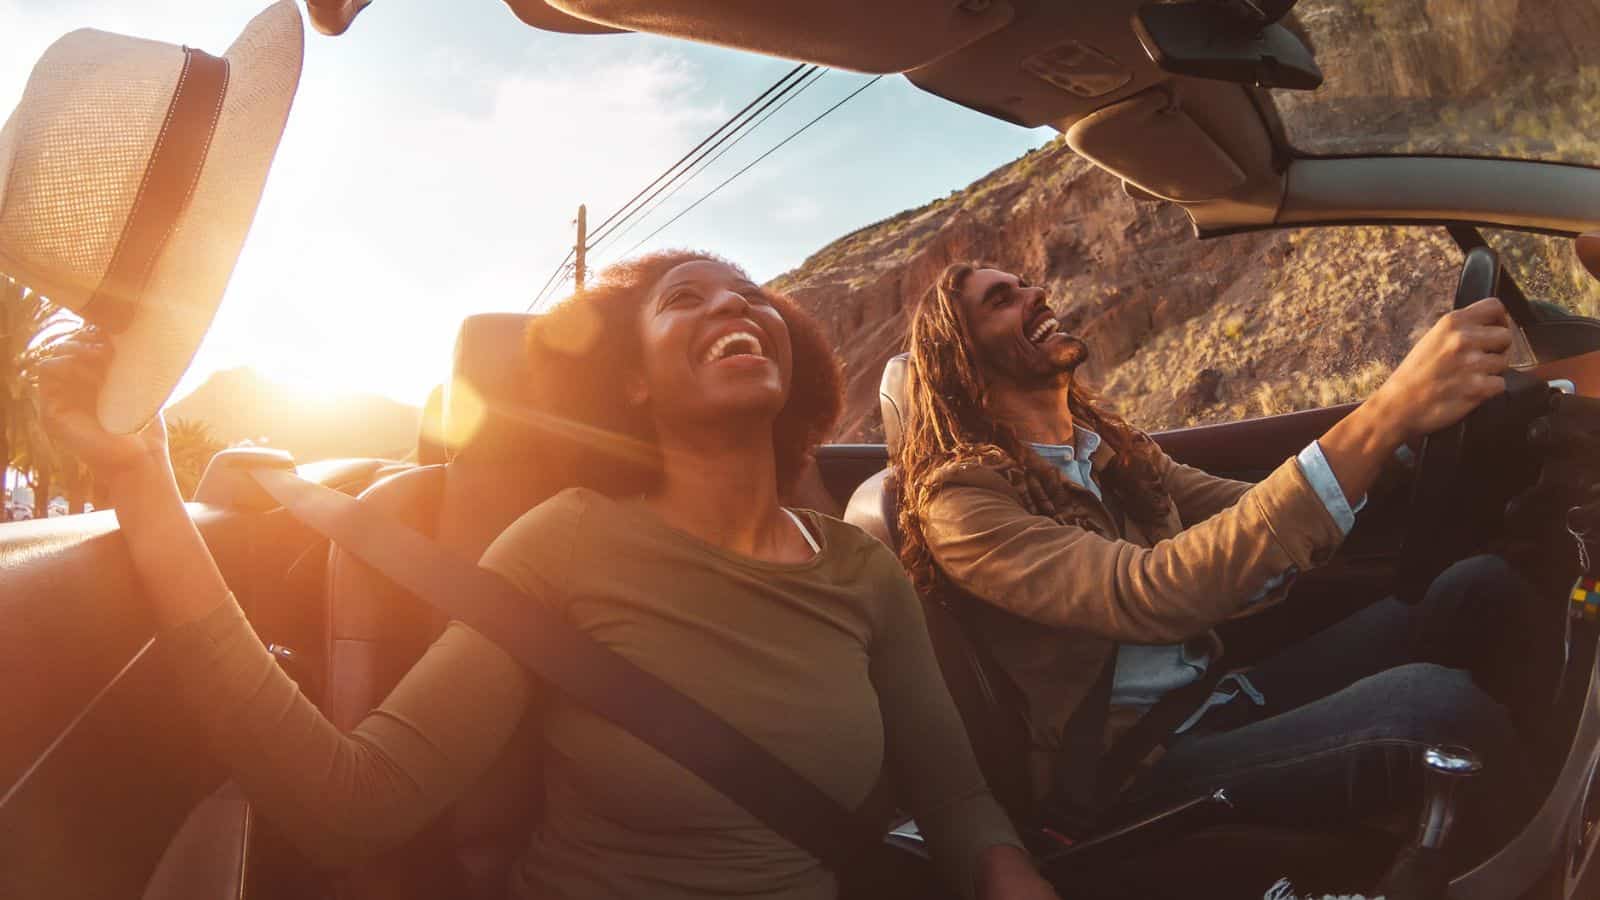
point(169, 181)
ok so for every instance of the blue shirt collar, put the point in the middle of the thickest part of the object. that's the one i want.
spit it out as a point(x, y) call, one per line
point(1083, 446)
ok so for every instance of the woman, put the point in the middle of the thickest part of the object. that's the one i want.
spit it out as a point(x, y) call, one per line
point(799, 630)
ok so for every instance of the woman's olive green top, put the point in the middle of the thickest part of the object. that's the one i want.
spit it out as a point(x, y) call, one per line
point(825, 663)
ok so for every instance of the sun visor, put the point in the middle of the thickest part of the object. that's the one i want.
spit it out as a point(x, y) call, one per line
point(1151, 142)
point(883, 36)
point(543, 16)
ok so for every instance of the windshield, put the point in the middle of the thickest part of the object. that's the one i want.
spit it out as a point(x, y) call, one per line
point(1454, 77)
point(1548, 271)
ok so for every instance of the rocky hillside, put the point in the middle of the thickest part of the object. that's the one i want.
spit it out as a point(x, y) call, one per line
point(1180, 331)
point(239, 405)
point(1183, 331)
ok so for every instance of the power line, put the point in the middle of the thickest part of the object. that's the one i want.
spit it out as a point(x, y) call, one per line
point(619, 235)
point(696, 148)
point(729, 180)
point(561, 268)
point(603, 230)
point(557, 280)
point(558, 270)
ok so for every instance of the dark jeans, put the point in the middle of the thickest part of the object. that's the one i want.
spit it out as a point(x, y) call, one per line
point(1349, 710)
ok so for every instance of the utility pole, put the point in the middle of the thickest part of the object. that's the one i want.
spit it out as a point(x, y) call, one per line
point(581, 246)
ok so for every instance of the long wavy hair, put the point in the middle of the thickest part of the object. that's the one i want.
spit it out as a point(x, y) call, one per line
point(579, 354)
point(947, 422)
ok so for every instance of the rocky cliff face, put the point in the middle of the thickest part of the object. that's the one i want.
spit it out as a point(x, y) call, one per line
point(1184, 331)
point(1180, 331)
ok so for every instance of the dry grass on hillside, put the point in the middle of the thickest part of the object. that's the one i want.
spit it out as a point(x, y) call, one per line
point(1324, 327)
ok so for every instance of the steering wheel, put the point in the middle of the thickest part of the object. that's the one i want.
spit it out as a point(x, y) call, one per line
point(1467, 472)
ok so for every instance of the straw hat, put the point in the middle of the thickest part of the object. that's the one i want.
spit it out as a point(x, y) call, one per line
point(129, 174)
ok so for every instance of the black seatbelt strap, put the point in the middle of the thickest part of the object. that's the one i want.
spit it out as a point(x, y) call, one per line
point(591, 674)
point(1074, 806)
point(1152, 730)
point(1091, 776)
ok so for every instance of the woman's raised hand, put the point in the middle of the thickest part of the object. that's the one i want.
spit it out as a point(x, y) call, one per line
point(69, 374)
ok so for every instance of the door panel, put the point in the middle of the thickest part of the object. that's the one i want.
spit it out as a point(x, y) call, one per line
point(72, 615)
point(93, 814)
point(1250, 449)
point(98, 762)
point(1582, 370)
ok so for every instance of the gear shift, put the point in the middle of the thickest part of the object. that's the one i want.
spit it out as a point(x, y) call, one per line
point(1444, 771)
point(1422, 870)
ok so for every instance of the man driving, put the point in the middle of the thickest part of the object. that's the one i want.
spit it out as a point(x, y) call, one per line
point(1094, 568)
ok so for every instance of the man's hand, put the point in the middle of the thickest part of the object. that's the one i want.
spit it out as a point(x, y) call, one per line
point(1456, 366)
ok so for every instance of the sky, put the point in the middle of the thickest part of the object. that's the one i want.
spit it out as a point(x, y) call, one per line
point(437, 152)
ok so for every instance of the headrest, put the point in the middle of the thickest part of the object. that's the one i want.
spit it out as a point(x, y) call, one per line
point(430, 434)
point(892, 393)
point(485, 413)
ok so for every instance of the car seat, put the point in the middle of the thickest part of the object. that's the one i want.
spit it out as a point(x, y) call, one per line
point(498, 465)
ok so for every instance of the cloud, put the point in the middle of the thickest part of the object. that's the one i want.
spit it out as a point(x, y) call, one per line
point(798, 210)
point(421, 178)
point(437, 153)
point(388, 218)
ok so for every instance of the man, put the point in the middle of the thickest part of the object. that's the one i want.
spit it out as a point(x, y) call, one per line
point(1092, 565)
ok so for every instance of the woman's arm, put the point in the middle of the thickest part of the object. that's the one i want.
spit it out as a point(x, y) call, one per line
point(342, 798)
point(176, 570)
point(972, 839)
point(338, 796)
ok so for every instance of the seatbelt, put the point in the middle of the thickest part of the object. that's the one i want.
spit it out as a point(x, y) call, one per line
point(592, 675)
point(1152, 730)
point(1092, 777)
point(1075, 809)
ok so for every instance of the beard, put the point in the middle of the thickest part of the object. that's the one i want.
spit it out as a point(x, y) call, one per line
point(1074, 356)
point(1035, 368)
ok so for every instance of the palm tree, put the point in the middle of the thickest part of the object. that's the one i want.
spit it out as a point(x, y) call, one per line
point(191, 446)
point(28, 322)
point(38, 457)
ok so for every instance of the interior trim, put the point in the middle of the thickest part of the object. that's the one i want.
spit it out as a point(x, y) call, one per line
point(1139, 138)
point(1582, 370)
point(1512, 193)
point(1250, 444)
point(882, 37)
point(545, 17)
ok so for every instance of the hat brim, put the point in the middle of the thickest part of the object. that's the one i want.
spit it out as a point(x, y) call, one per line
point(188, 280)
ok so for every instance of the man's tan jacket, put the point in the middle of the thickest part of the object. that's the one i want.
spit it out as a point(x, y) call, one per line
point(1058, 595)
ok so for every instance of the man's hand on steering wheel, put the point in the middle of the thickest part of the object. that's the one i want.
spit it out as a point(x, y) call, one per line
point(1456, 366)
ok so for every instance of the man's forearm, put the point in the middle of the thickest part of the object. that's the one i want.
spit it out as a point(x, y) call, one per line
point(1359, 446)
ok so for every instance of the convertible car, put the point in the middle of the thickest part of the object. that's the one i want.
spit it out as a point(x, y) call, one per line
point(1465, 117)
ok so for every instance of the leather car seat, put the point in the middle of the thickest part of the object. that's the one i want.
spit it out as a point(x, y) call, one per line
point(989, 703)
point(498, 467)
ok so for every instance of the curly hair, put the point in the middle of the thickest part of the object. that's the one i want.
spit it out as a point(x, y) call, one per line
point(947, 422)
point(579, 352)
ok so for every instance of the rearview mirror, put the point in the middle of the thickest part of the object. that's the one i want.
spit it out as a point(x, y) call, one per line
point(1216, 41)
